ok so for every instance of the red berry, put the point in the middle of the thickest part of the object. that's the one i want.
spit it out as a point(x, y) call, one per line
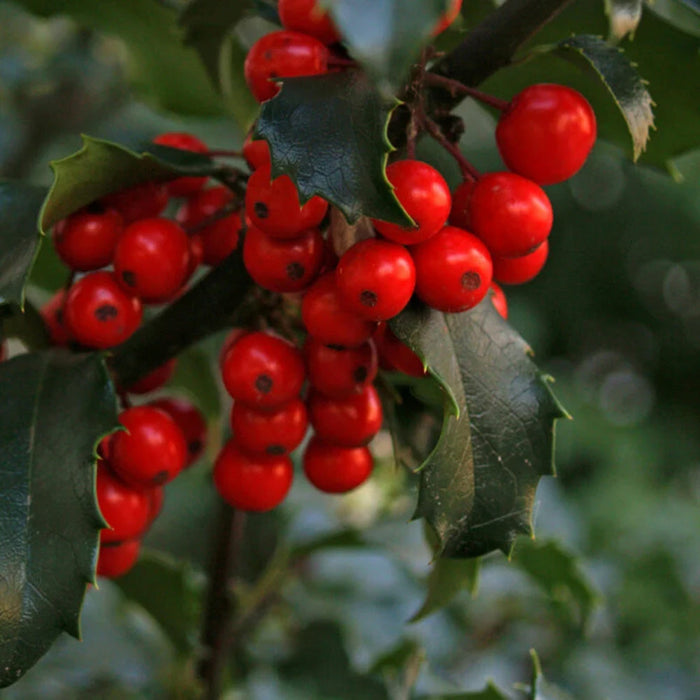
point(349, 422)
point(115, 559)
point(190, 421)
point(252, 482)
point(498, 299)
point(139, 202)
point(334, 469)
point(154, 379)
point(282, 54)
point(425, 196)
point(395, 355)
point(196, 254)
point(157, 498)
point(375, 279)
point(256, 152)
point(231, 338)
point(86, 239)
point(152, 449)
point(453, 270)
point(309, 17)
point(461, 199)
point(263, 371)
point(270, 432)
point(449, 17)
point(546, 133)
point(219, 238)
point(125, 510)
point(152, 259)
point(183, 186)
point(273, 206)
point(511, 214)
point(98, 313)
point(288, 265)
point(340, 372)
point(327, 320)
point(53, 315)
point(522, 269)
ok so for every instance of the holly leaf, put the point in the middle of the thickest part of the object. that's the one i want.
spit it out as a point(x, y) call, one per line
point(682, 14)
point(344, 150)
point(541, 688)
point(101, 167)
point(557, 572)
point(477, 487)
point(385, 38)
point(19, 237)
point(50, 521)
point(195, 374)
point(490, 692)
point(624, 16)
point(622, 80)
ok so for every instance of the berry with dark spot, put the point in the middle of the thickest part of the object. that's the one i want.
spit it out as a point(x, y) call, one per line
point(335, 469)
point(269, 432)
point(340, 372)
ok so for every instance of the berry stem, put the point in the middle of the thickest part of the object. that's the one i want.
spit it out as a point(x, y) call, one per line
point(456, 88)
point(469, 172)
point(233, 206)
point(223, 154)
point(340, 62)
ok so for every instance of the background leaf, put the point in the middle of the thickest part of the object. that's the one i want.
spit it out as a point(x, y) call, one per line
point(682, 14)
point(624, 16)
point(541, 688)
point(477, 488)
point(50, 522)
point(342, 158)
point(19, 237)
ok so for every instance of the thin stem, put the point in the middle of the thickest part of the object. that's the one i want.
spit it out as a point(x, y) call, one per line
point(340, 62)
point(456, 88)
point(219, 608)
point(469, 172)
point(225, 211)
point(223, 154)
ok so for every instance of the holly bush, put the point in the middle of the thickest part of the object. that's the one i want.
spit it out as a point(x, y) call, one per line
point(364, 594)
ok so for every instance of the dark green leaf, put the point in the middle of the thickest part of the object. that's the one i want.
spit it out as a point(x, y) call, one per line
point(101, 167)
point(384, 37)
point(195, 374)
point(624, 16)
point(163, 68)
point(686, 167)
point(622, 80)
point(170, 592)
point(541, 689)
point(490, 692)
point(55, 408)
point(19, 237)
point(344, 150)
point(557, 572)
point(477, 487)
point(28, 326)
point(682, 14)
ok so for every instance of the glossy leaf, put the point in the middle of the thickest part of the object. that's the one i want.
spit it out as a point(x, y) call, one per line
point(624, 16)
point(50, 522)
point(477, 487)
point(557, 572)
point(344, 152)
point(165, 70)
point(622, 80)
point(19, 237)
point(101, 167)
point(384, 37)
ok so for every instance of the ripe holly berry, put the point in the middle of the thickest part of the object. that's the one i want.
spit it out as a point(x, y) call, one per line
point(449, 17)
point(85, 240)
point(340, 372)
point(453, 270)
point(152, 449)
point(231, 338)
point(375, 279)
point(139, 202)
point(183, 186)
point(252, 482)
point(334, 469)
point(546, 133)
point(522, 269)
point(263, 371)
point(350, 421)
point(282, 54)
point(461, 198)
point(52, 313)
point(98, 313)
point(327, 320)
point(424, 195)
point(157, 498)
point(196, 254)
point(309, 17)
point(219, 238)
point(288, 265)
point(395, 355)
point(498, 299)
point(273, 206)
point(510, 213)
point(155, 379)
point(116, 558)
point(270, 432)
point(190, 421)
point(126, 510)
point(152, 258)
point(256, 152)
